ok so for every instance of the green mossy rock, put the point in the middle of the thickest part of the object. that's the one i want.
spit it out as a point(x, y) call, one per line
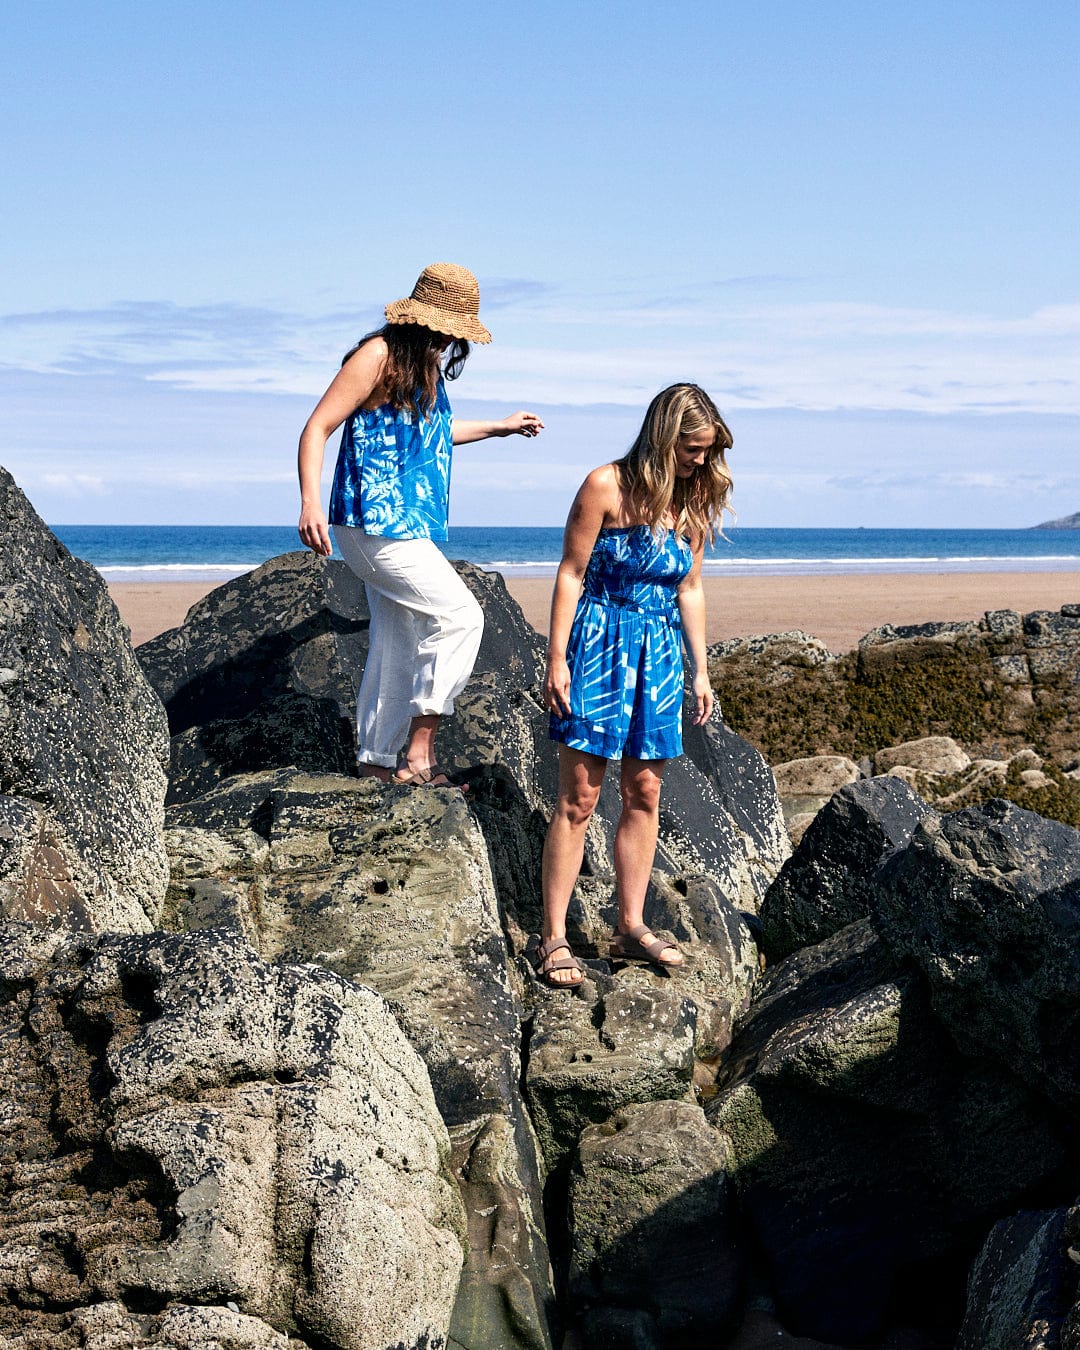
point(997, 687)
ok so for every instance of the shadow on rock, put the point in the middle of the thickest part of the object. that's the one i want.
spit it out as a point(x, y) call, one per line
point(870, 1157)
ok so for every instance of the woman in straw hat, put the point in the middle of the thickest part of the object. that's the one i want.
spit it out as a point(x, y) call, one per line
point(627, 597)
point(389, 504)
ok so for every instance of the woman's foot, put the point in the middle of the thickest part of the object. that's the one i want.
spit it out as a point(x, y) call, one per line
point(379, 771)
point(429, 775)
point(640, 943)
point(558, 972)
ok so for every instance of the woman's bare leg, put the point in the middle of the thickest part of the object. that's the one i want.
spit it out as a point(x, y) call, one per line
point(419, 750)
point(635, 842)
point(419, 753)
point(580, 778)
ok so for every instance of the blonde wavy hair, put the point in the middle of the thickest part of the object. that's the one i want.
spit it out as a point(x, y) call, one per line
point(647, 470)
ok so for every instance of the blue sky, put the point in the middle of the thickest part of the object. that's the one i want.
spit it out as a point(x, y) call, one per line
point(854, 223)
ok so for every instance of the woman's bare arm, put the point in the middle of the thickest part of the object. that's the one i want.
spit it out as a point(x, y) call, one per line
point(597, 500)
point(352, 386)
point(517, 424)
point(692, 613)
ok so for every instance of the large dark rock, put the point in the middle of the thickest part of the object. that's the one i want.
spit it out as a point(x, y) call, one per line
point(868, 1153)
point(83, 742)
point(194, 1126)
point(387, 886)
point(655, 1241)
point(826, 883)
point(263, 674)
point(1022, 1284)
point(390, 887)
point(987, 902)
point(744, 786)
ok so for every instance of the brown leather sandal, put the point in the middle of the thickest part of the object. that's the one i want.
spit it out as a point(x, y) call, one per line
point(433, 776)
point(545, 966)
point(642, 944)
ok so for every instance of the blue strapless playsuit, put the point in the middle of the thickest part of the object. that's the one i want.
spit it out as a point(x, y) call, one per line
point(625, 648)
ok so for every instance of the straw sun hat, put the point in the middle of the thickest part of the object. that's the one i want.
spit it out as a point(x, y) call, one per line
point(446, 299)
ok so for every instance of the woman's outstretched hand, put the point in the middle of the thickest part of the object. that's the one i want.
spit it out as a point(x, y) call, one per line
point(521, 424)
point(314, 530)
point(557, 686)
point(703, 698)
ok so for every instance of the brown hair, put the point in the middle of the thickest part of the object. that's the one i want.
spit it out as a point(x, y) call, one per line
point(647, 470)
point(414, 362)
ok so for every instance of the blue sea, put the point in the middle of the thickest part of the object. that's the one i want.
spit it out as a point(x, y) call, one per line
point(217, 552)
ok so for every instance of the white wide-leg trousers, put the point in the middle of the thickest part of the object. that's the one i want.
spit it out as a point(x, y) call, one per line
point(422, 644)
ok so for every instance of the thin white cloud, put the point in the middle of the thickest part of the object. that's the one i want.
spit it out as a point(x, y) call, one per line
point(204, 474)
point(536, 475)
point(952, 482)
point(808, 356)
point(74, 484)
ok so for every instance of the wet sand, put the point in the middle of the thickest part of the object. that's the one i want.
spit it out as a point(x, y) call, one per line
point(839, 610)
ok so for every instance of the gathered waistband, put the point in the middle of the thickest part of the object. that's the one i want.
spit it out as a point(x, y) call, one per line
point(614, 600)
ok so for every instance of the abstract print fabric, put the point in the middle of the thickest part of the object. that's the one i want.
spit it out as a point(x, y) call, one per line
point(393, 471)
point(625, 648)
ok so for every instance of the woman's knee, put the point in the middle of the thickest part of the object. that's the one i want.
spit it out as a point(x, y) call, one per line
point(641, 792)
point(579, 802)
point(475, 618)
point(465, 619)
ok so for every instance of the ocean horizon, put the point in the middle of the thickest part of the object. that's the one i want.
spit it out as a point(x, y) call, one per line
point(209, 553)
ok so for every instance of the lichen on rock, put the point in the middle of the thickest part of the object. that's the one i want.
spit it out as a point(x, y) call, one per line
point(83, 742)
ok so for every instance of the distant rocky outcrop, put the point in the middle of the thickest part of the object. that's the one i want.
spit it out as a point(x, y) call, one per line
point(962, 711)
point(83, 743)
point(1064, 523)
point(1006, 683)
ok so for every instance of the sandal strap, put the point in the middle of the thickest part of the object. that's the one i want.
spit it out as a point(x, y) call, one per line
point(546, 965)
point(654, 945)
point(420, 777)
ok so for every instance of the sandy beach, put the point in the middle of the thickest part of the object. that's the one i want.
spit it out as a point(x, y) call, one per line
point(839, 610)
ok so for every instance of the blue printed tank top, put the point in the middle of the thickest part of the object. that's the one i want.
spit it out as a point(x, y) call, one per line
point(393, 471)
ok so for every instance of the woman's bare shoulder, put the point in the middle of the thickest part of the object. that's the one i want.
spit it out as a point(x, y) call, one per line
point(597, 499)
point(370, 354)
point(360, 377)
point(602, 486)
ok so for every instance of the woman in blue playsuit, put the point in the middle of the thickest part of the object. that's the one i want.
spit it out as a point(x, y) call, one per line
point(389, 505)
point(628, 597)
